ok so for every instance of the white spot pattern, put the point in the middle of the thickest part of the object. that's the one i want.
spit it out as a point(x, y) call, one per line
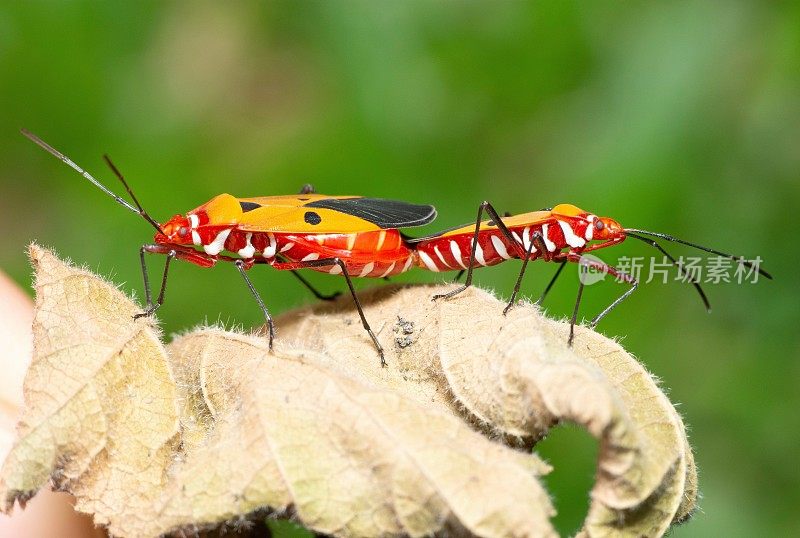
point(500, 248)
point(389, 270)
point(248, 250)
point(456, 252)
point(196, 238)
point(569, 235)
point(271, 249)
point(367, 269)
point(428, 261)
point(478, 252)
point(441, 258)
point(311, 257)
point(335, 270)
point(216, 246)
point(551, 247)
point(194, 221)
point(287, 246)
point(527, 242)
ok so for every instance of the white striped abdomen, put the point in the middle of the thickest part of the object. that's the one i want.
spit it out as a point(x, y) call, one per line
point(452, 252)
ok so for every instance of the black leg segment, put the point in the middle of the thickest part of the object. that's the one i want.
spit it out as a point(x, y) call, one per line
point(484, 206)
point(328, 262)
point(319, 295)
point(536, 239)
point(552, 281)
point(240, 265)
point(152, 307)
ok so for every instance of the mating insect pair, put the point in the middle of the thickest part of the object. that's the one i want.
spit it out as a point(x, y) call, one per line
point(357, 236)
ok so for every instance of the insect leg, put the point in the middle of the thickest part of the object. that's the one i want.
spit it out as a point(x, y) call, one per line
point(484, 206)
point(152, 307)
point(312, 289)
point(325, 262)
point(147, 294)
point(172, 251)
point(583, 270)
point(360, 310)
point(240, 265)
point(552, 281)
point(535, 239)
point(319, 295)
point(585, 264)
point(629, 280)
point(468, 281)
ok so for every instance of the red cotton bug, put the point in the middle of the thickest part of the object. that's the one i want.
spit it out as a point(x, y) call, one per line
point(340, 235)
point(559, 234)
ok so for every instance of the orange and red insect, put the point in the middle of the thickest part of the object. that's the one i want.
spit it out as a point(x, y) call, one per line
point(340, 235)
point(357, 236)
point(559, 234)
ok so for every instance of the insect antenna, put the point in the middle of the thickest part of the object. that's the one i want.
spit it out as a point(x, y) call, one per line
point(655, 244)
point(66, 160)
point(738, 259)
point(141, 210)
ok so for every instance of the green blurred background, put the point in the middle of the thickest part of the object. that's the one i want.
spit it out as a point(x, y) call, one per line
point(676, 117)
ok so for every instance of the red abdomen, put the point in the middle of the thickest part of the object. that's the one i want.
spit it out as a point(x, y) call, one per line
point(366, 254)
point(452, 252)
point(449, 253)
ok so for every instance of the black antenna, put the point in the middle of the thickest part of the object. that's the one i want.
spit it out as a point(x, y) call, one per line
point(738, 259)
point(141, 211)
point(66, 160)
point(675, 263)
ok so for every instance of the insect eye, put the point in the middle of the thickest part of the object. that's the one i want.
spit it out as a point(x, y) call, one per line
point(598, 224)
point(183, 231)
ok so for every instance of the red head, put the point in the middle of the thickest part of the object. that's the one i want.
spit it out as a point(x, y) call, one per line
point(176, 231)
point(603, 229)
point(597, 228)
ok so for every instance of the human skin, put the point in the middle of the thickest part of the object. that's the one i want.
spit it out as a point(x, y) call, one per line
point(48, 513)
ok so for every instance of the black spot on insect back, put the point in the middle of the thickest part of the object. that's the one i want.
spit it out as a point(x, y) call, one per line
point(249, 206)
point(312, 218)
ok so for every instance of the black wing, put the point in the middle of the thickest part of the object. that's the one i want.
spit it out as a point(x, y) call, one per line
point(383, 213)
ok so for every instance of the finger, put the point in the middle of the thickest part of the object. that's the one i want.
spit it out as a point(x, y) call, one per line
point(48, 513)
point(16, 315)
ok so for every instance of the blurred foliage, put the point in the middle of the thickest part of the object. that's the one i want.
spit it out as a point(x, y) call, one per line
point(678, 117)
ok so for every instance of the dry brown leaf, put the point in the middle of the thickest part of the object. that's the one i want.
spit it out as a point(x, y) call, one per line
point(353, 459)
point(516, 376)
point(100, 418)
point(218, 428)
